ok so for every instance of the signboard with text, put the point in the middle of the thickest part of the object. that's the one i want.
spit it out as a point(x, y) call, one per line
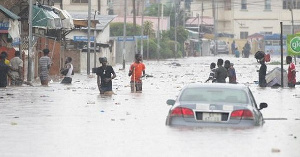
point(293, 44)
point(83, 38)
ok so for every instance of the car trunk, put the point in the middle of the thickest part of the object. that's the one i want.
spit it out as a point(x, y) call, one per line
point(214, 113)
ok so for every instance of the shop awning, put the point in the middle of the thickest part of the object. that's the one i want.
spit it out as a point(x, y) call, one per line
point(66, 18)
point(45, 18)
point(8, 13)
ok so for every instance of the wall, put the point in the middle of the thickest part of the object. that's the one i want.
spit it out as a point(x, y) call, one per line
point(253, 20)
point(55, 55)
point(69, 6)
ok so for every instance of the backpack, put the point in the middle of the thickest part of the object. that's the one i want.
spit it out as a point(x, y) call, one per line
point(267, 58)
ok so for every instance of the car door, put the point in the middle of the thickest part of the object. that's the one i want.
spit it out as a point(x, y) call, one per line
point(257, 113)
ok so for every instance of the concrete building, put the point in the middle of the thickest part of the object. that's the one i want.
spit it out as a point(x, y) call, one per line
point(246, 17)
point(116, 7)
point(81, 5)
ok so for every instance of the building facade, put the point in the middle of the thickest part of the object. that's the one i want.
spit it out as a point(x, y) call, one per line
point(81, 5)
point(245, 17)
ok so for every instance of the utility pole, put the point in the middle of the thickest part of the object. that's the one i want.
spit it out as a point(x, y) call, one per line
point(124, 33)
point(89, 37)
point(134, 17)
point(158, 31)
point(184, 14)
point(293, 30)
point(175, 30)
point(29, 71)
point(95, 41)
point(61, 5)
point(201, 30)
point(142, 31)
point(215, 27)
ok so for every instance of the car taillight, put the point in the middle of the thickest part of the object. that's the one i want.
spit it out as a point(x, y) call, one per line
point(241, 114)
point(181, 111)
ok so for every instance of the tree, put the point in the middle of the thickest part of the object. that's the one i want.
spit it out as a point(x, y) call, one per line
point(182, 36)
point(148, 29)
point(116, 29)
point(152, 10)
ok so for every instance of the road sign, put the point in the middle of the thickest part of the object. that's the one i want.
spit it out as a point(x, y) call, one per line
point(83, 38)
point(128, 38)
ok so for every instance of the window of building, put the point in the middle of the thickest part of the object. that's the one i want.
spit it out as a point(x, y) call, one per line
point(80, 1)
point(266, 33)
point(227, 4)
point(244, 5)
point(243, 35)
point(267, 4)
point(294, 4)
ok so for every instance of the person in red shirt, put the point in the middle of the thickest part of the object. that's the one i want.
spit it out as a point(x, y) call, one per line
point(291, 72)
point(136, 71)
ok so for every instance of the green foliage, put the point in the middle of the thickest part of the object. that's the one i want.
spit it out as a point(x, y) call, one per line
point(148, 29)
point(169, 11)
point(153, 10)
point(182, 36)
point(275, 63)
point(167, 49)
point(152, 49)
point(116, 29)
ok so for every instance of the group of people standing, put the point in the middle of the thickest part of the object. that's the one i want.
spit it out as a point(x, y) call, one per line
point(245, 52)
point(219, 74)
point(44, 68)
point(11, 70)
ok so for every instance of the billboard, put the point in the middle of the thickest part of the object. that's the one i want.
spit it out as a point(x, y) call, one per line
point(293, 44)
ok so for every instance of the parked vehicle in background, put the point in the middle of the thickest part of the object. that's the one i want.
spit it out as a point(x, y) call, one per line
point(222, 47)
point(216, 104)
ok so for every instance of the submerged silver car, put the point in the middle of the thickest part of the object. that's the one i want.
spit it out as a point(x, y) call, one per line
point(215, 104)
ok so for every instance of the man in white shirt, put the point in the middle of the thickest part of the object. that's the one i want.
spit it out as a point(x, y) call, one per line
point(16, 70)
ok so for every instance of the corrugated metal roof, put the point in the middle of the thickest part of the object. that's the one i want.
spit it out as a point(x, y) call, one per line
point(104, 20)
point(8, 13)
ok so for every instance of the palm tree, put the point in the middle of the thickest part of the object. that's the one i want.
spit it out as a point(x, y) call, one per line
point(148, 29)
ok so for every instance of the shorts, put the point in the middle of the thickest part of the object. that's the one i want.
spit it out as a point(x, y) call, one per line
point(44, 78)
point(138, 86)
point(105, 89)
point(67, 80)
point(16, 82)
point(290, 84)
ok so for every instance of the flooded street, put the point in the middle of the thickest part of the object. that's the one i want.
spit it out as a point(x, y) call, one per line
point(76, 121)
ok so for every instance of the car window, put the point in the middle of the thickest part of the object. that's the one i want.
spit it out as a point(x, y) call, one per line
point(252, 99)
point(214, 95)
point(221, 43)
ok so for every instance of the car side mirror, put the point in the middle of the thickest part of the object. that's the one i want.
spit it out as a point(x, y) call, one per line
point(170, 102)
point(263, 105)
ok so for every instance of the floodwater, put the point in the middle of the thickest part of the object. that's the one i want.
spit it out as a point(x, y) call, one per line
point(76, 121)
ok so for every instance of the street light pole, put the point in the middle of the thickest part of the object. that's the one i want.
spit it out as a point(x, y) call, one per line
point(89, 37)
point(29, 70)
point(124, 33)
point(95, 42)
point(293, 30)
point(142, 31)
point(175, 30)
point(158, 31)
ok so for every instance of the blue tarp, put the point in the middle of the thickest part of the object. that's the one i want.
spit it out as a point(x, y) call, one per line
point(274, 37)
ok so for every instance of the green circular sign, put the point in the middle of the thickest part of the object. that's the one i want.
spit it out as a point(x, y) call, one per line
point(295, 44)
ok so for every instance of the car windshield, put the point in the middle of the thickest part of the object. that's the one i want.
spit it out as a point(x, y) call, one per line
point(221, 43)
point(209, 95)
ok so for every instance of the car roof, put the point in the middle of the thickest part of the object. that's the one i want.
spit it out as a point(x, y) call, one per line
point(217, 85)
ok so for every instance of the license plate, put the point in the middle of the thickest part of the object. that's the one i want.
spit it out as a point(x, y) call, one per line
point(211, 117)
